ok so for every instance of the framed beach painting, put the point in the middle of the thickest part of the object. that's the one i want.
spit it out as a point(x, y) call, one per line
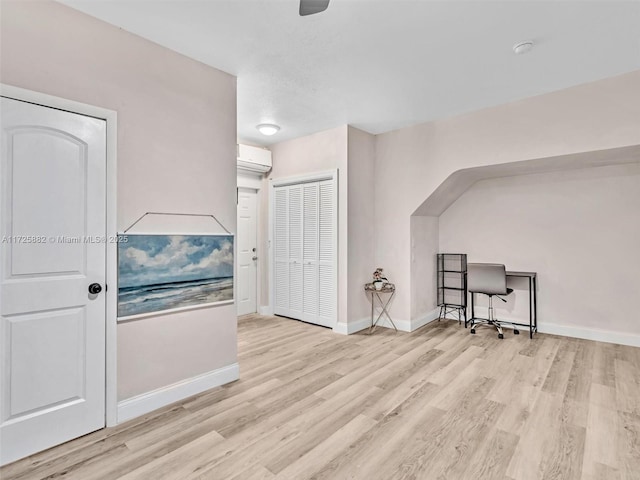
point(161, 273)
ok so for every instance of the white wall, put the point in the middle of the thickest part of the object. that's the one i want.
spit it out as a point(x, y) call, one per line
point(580, 230)
point(352, 152)
point(176, 153)
point(361, 221)
point(424, 248)
point(319, 152)
point(412, 162)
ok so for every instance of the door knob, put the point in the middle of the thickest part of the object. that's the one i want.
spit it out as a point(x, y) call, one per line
point(95, 288)
point(254, 258)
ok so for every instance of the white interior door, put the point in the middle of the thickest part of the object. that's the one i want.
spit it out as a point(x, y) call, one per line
point(247, 250)
point(52, 227)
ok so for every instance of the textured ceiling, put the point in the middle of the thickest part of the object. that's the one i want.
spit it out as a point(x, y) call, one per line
point(383, 65)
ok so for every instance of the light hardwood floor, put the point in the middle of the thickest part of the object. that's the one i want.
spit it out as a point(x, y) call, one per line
point(437, 403)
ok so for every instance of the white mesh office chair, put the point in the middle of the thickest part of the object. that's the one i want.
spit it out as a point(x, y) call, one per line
point(489, 279)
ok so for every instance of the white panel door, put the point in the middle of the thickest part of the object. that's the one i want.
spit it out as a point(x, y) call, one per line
point(247, 248)
point(52, 227)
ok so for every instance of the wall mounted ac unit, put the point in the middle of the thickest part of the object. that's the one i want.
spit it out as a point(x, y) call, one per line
point(254, 159)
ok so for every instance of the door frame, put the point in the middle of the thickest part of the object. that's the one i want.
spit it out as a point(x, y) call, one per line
point(111, 118)
point(253, 181)
point(331, 175)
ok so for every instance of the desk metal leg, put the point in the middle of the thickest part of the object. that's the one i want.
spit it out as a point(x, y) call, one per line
point(530, 311)
point(535, 305)
point(473, 312)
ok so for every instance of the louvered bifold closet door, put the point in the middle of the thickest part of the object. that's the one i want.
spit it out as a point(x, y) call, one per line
point(327, 295)
point(296, 286)
point(311, 252)
point(281, 251)
point(305, 252)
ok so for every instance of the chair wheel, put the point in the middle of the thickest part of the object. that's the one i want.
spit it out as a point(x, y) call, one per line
point(516, 332)
point(473, 330)
point(500, 336)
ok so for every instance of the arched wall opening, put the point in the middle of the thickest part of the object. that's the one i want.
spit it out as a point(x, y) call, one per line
point(575, 219)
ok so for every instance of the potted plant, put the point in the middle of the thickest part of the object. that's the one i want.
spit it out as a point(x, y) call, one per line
point(379, 280)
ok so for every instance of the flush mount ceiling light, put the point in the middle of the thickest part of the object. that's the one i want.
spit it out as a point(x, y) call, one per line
point(522, 47)
point(268, 129)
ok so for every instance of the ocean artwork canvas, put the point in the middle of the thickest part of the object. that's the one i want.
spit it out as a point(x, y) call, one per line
point(157, 273)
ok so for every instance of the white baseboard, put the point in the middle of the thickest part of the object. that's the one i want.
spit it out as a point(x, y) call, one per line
point(265, 310)
point(401, 325)
point(606, 336)
point(425, 318)
point(148, 402)
point(574, 331)
point(352, 327)
point(341, 328)
point(413, 324)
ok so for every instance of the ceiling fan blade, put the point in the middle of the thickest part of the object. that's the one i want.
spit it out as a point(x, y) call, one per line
point(309, 7)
